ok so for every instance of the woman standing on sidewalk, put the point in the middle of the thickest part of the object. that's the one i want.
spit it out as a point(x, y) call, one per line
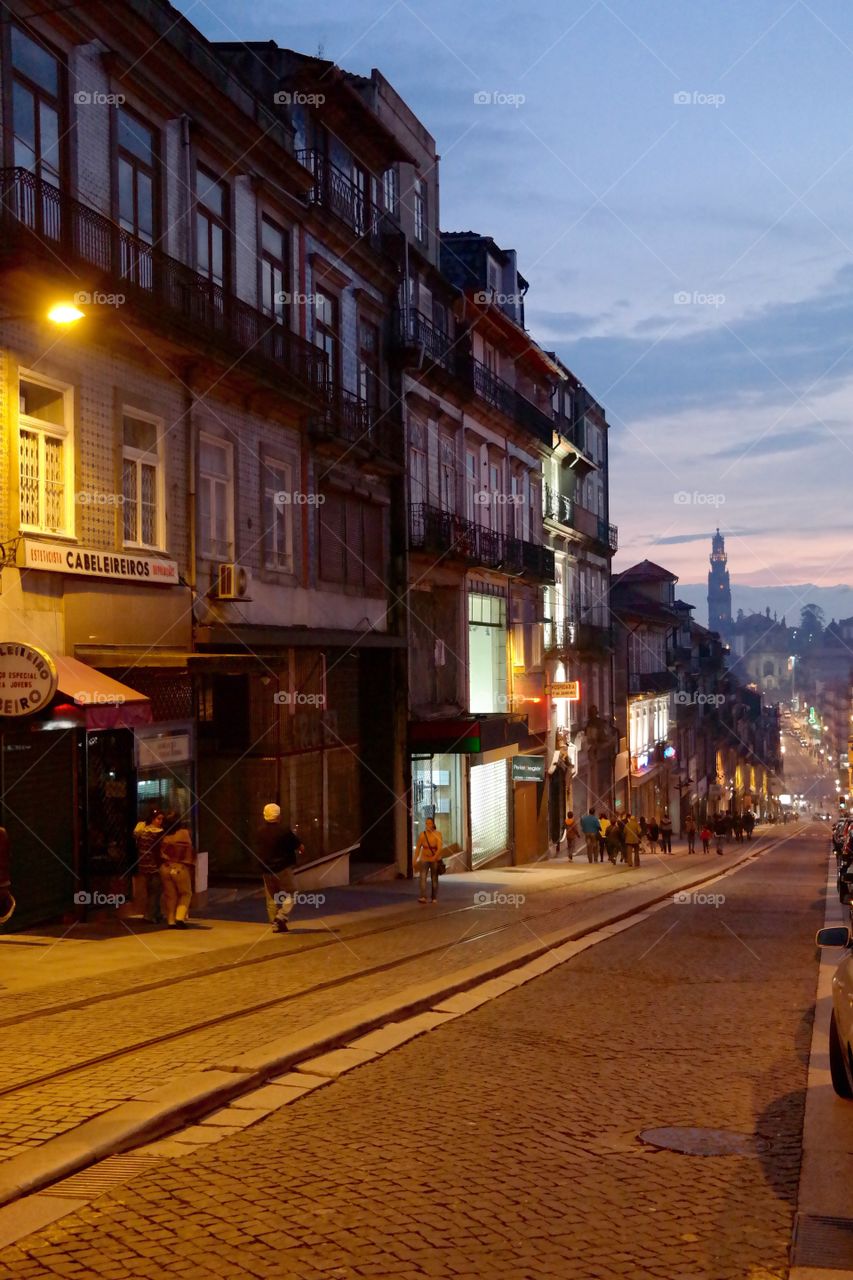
point(178, 856)
point(427, 858)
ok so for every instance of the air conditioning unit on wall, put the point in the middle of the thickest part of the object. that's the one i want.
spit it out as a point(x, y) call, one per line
point(231, 582)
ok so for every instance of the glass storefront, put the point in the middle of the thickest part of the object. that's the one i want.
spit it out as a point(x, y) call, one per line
point(436, 793)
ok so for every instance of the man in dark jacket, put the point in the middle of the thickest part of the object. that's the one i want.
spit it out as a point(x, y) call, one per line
point(277, 849)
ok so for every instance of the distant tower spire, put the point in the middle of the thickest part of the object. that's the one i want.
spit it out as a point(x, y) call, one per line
point(719, 588)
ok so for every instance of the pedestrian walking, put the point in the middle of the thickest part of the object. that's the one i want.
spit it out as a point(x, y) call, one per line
point(632, 841)
point(705, 836)
point(749, 823)
point(178, 859)
point(427, 858)
point(603, 824)
point(591, 828)
point(666, 832)
point(690, 832)
point(7, 901)
point(720, 829)
point(614, 841)
point(653, 834)
point(277, 848)
point(737, 828)
point(572, 834)
point(148, 836)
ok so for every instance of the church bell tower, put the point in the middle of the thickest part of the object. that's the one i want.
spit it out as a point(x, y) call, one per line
point(719, 590)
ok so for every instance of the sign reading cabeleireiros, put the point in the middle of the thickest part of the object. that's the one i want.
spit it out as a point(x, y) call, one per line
point(124, 565)
point(28, 679)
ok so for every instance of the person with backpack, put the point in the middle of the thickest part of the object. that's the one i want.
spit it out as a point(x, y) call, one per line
point(277, 849)
point(572, 834)
point(591, 828)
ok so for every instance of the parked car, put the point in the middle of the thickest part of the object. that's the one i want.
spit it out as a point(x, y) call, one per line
point(841, 1022)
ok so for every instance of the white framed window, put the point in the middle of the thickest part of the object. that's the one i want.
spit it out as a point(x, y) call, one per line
point(215, 498)
point(447, 474)
point(472, 484)
point(418, 462)
point(390, 190)
point(142, 481)
point(45, 455)
point(420, 210)
point(277, 485)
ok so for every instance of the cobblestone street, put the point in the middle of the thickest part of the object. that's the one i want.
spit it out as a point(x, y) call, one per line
point(506, 1142)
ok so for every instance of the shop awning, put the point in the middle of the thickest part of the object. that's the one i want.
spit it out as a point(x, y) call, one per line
point(466, 735)
point(99, 701)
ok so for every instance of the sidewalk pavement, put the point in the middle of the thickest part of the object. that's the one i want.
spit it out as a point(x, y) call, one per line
point(229, 918)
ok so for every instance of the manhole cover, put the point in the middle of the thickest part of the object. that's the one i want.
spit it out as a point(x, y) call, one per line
point(704, 1142)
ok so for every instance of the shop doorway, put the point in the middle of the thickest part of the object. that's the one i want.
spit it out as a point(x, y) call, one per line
point(437, 794)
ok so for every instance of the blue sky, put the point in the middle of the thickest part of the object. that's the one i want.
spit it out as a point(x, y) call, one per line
point(691, 258)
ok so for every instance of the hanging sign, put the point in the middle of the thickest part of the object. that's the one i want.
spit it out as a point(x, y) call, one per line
point(28, 679)
point(568, 689)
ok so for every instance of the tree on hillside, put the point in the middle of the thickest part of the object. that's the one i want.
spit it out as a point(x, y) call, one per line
point(812, 622)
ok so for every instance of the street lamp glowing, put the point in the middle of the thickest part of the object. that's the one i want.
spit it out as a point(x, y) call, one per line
point(64, 313)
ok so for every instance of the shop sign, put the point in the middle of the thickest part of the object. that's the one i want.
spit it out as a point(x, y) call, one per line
point(528, 768)
point(171, 749)
point(28, 679)
point(86, 562)
point(568, 689)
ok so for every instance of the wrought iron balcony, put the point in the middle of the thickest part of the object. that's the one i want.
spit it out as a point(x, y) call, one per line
point(557, 507)
point(66, 235)
point(652, 682)
point(500, 395)
point(448, 536)
point(335, 191)
point(413, 330)
point(354, 422)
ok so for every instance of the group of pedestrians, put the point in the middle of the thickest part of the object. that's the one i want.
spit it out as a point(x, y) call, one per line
point(623, 838)
point(616, 838)
point(165, 863)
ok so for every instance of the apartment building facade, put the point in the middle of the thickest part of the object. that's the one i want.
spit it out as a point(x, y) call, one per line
point(198, 478)
point(578, 634)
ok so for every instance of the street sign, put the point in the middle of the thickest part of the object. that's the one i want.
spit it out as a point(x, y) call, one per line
point(528, 768)
point(28, 679)
point(568, 689)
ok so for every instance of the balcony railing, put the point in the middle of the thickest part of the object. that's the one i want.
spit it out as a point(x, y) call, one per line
point(355, 422)
point(581, 637)
point(500, 395)
point(652, 682)
point(608, 535)
point(335, 191)
point(414, 329)
point(69, 234)
point(557, 506)
point(448, 536)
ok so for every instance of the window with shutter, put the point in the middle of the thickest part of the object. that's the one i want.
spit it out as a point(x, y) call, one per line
point(374, 548)
point(332, 538)
point(355, 543)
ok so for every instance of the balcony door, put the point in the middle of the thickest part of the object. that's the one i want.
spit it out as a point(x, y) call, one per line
point(36, 133)
point(212, 236)
point(136, 158)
